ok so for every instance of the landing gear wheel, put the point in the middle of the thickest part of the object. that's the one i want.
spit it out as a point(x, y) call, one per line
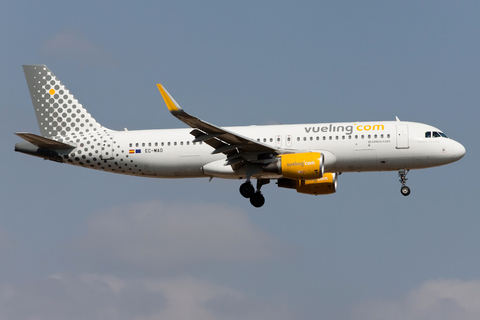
point(257, 200)
point(247, 190)
point(402, 174)
point(405, 190)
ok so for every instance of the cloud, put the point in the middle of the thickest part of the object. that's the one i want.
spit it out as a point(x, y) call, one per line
point(160, 236)
point(436, 299)
point(74, 46)
point(94, 296)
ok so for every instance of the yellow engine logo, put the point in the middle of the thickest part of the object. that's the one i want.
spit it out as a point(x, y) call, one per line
point(300, 166)
point(325, 185)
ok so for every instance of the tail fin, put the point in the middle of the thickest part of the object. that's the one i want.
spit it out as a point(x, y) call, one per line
point(58, 112)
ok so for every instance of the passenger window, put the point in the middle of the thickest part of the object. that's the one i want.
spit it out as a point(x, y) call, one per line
point(343, 137)
point(324, 138)
point(175, 143)
point(304, 138)
point(336, 138)
point(130, 145)
point(428, 134)
point(381, 136)
point(369, 136)
point(388, 135)
point(356, 136)
point(363, 136)
point(163, 144)
point(318, 138)
point(271, 139)
point(330, 138)
point(375, 136)
point(143, 144)
point(311, 138)
point(149, 144)
point(350, 137)
point(168, 143)
point(181, 143)
point(156, 144)
point(264, 140)
point(288, 139)
point(188, 143)
point(298, 138)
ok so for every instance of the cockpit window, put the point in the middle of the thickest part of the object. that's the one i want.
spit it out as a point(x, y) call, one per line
point(436, 134)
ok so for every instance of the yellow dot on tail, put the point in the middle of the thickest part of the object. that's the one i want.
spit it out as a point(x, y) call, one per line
point(52, 91)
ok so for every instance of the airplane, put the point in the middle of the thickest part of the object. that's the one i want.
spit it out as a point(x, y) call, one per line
point(305, 157)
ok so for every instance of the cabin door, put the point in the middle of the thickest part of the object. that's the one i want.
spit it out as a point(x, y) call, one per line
point(402, 136)
point(278, 141)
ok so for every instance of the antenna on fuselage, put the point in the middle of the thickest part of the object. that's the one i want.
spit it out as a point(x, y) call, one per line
point(397, 118)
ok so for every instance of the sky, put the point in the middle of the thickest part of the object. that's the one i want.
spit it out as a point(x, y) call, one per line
point(84, 244)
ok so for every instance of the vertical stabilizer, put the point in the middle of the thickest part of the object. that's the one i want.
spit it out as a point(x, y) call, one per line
point(58, 112)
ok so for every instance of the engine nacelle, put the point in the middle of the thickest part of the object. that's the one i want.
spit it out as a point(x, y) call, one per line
point(325, 185)
point(298, 166)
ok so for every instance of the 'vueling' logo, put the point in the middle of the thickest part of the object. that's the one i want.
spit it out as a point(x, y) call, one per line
point(301, 164)
point(346, 129)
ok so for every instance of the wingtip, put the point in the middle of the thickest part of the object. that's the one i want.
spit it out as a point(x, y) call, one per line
point(172, 105)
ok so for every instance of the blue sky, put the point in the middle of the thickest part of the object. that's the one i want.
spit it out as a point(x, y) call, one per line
point(83, 244)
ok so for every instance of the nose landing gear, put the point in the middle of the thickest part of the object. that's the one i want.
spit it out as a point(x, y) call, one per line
point(256, 198)
point(404, 190)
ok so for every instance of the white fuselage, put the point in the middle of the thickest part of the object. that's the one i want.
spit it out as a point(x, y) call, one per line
point(305, 157)
point(348, 147)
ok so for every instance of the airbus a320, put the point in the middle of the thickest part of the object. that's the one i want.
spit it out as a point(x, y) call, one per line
point(305, 157)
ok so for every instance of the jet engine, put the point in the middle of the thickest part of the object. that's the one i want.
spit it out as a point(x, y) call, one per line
point(325, 185)
point(298, 166)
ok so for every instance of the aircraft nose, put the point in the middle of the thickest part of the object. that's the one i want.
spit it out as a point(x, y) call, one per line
point(458, 151)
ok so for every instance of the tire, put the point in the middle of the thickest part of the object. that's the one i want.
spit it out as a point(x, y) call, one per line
point(247, 190)
point(257, 200)
point(405, 190)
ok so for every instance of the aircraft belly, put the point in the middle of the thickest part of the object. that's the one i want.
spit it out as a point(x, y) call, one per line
point(396, 159)
point(190, 165)
point(364, 160)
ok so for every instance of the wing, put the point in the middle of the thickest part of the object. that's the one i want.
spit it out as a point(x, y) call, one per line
point(237, 147)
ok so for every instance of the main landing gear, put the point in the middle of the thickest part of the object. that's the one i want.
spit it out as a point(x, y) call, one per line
point(256, 198)
point(402, 173)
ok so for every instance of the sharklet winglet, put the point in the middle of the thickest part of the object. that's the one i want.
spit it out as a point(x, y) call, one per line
point(172, 105)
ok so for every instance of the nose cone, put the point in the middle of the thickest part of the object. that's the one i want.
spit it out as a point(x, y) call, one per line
point(458, 151)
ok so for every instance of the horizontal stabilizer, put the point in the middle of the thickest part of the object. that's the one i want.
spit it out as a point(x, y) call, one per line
point(43, 142)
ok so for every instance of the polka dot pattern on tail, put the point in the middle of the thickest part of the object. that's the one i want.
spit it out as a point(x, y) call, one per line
point(61, 117)
point(55, 107)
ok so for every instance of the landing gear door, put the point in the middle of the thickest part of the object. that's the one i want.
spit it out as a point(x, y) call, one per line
point(402, 136)
point(107, 147)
